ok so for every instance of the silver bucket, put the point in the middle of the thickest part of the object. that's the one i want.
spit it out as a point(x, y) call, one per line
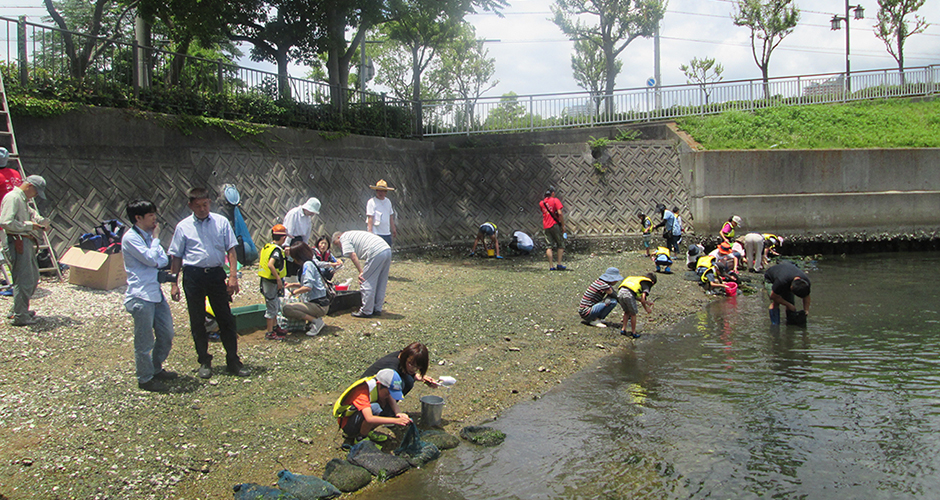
point(432, 407)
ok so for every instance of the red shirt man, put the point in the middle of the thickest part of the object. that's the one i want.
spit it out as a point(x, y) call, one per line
point(554, 223)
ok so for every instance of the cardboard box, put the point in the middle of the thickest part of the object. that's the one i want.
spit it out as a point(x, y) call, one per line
point(95, 269)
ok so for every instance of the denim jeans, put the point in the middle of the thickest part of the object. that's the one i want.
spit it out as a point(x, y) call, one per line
point(153, 335)
point(601, 309)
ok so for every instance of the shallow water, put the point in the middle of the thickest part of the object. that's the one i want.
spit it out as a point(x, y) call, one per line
point(726, 406)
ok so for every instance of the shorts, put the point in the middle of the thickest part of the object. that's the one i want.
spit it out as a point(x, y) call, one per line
point(647, 240)
point(488, 229)
point(627, 301)
point(272, 301)
point(354, 422)
point(554, 238)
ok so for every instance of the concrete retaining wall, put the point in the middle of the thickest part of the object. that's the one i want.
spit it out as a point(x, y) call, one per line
point(800, 192)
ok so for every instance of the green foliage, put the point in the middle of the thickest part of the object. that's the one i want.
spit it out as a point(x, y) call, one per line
point(599, 168)
point(628, 134)
point(894, 26)
point(598, 143)
point(868, 124)
point(770, 21)
point(702, 72)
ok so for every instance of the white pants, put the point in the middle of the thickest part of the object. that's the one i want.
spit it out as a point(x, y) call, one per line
point(375, 279)
point(754, 250)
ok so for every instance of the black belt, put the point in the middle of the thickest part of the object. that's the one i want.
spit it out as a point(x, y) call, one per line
point(206, 270)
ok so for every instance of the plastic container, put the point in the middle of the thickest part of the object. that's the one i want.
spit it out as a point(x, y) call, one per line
point(342, 288)
point(731, 289)
point(432, 409)
point(490, 252)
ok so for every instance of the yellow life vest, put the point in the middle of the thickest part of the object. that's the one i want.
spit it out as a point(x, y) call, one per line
point(633, 283)
point(341, 410)
point(729, 234)
point(768, 236)
point(263, 259)
point(647, 225)
point(705, 261)
point(663, 251)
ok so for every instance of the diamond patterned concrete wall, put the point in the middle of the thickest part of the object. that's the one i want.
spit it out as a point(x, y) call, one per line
point(96, 162)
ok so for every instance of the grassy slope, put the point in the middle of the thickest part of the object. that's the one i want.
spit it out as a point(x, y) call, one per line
point(870, 124)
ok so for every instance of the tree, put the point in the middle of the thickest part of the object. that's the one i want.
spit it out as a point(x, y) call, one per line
point(590, 71)
point(103, 18)
point(770, 21)
point(508, 114)
point(279, 31)
point(619, 23)
point(893, 28)
point(466, 71)
point(703, 72)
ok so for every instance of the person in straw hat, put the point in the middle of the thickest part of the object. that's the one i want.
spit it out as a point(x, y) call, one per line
point(380, 216)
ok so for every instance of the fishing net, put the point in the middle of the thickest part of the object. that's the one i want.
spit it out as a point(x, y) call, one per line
point(251, 491)
point(366, 455)
point(305, 487)
point(346, 476)
point(482, 435)
point(416, 451)
point(441, 439)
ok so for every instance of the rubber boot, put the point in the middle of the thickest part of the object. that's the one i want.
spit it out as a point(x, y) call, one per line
point(775, 316)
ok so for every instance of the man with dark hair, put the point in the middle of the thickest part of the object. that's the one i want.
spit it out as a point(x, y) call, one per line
point(199, 247)
point(153, 323)
point(786, 281)
point(24, 227)
point(668, 224)
point(553, 221)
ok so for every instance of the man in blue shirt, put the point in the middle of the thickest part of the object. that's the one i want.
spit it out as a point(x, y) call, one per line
point(199, 247)
point(668, 222)
point(153, 323)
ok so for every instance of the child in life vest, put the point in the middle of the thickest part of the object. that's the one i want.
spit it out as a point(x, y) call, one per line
point(370, 402)
point(272, 269)
point(634, 288)
point(662, 259)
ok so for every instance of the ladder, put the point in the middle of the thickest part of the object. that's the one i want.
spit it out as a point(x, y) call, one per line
point(8, 140)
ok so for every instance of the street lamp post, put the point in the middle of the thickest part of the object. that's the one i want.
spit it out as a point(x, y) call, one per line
point(836, 24)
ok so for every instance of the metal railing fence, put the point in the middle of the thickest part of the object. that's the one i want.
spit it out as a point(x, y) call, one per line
point(114, 72)
point(580, 109)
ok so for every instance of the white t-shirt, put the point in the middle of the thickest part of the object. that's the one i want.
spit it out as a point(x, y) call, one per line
point(381, 212)
point(523, 239)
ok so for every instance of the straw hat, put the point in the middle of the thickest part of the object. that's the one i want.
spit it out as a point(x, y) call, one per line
point(381, 186)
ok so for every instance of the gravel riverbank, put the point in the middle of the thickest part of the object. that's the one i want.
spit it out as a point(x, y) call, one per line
point(74, 424)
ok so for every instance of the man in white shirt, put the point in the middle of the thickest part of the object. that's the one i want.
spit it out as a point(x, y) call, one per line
point(299, 220)
point(372, 258)
point(380, 216)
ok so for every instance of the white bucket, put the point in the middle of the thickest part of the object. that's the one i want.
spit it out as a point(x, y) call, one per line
point(432, 408)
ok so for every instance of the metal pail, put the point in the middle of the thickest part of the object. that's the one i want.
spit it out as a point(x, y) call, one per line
point(432, 408)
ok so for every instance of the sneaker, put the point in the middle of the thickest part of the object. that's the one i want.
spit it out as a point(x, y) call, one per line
point(25, 322)
point(205, 371)
point(165, 375)
point(551, 268)
point(153, 385)
point(275, 335)
point(240, 371)
point(315, 326)
point(215, 337)
point(360, 314)
point(598, 323)
point(377, 437)
point(32, 314)
point(560, 267)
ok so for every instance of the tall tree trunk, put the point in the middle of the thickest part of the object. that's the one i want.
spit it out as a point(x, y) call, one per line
point(416, 90)
point(283, 84)
point(901, 60)
point(765, 75)
point(610, 61)
point(179, 61)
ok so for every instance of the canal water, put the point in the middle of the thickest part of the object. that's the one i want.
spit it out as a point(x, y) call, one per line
point(727, 406)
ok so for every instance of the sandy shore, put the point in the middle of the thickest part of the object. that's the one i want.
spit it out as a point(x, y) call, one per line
point(75, 425)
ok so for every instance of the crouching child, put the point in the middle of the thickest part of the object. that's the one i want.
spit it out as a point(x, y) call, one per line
point(368, 403)
point(635, 288)
point(663, 259)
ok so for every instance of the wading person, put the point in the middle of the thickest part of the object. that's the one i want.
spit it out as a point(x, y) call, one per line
point(633, 289)
point(199, 247)
point(786, 281)
point(144, 299)
point(24, 227)
point(553, 221)
point(372, 257)
point(380, 216)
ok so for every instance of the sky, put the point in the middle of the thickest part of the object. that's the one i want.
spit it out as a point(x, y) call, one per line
point(534, 57)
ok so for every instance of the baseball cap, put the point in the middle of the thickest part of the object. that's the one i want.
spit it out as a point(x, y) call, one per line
point(39, 183)
point(279, 229)
point(392, 380)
